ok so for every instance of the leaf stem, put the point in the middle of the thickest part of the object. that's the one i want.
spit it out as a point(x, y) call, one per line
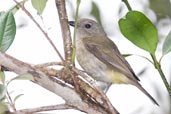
point(158, 67)
point(127, 4)
point(74, 38)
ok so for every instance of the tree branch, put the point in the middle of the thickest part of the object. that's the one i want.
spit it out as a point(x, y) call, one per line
point(60, 4)
point(85, 99)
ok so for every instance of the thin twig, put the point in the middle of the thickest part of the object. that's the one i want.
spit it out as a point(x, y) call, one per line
point(41, 29)
point(49, 64)
point(44, 108)
point(10, 101)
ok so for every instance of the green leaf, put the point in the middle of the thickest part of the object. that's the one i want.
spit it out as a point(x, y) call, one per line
point(25, 76)
point(137, 28)
point(167, 44)
point(162, 11)
point(96, 12)
point(18, 96)
point(2, 13)
point(126, 55)
point(2, 77)
point(7, 30)
point(3, 108)
point(2, 91)
point(39, 5)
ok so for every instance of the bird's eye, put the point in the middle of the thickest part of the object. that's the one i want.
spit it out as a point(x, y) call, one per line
point(87, 26)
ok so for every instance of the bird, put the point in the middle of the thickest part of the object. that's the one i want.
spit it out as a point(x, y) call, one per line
point(100, 58)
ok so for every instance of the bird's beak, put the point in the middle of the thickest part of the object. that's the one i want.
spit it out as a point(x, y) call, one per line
point(71, 23)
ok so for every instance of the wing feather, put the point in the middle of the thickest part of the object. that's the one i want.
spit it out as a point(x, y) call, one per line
point(109, 54)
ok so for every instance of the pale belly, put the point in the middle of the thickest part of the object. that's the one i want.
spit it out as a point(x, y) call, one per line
point(92, 65)
point(97, 69)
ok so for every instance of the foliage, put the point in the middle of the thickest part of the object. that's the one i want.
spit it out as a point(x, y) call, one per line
point(4, 95)
point(39, 5)
point(7, 35)
point(139, 30)
point(7, 30)
point(167, 46)
point(95, 11)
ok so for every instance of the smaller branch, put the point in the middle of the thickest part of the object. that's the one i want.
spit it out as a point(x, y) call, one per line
point(49, 64)
point(10, 101)
point(60, 4)
point(43, 108)
point(41, 29)
point(98, 95)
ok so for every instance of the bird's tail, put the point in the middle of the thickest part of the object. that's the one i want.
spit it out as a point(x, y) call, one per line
point(145, 92)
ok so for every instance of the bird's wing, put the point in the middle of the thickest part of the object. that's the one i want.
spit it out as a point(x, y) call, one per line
point(109, 54)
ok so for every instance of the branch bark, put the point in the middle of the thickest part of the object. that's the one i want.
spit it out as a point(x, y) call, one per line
point(60, 4)
point(84, 99)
